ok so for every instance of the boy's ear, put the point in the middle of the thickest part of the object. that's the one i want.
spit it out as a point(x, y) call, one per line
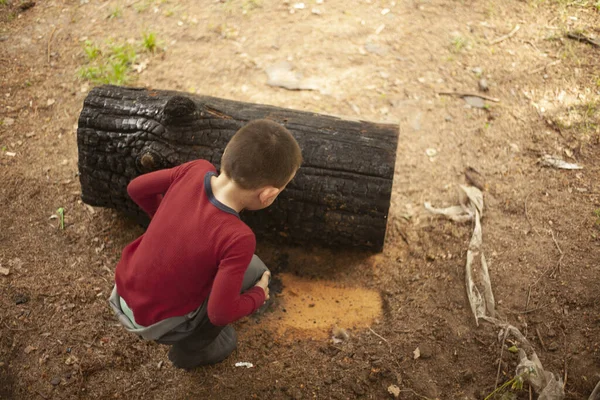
point(268, 194)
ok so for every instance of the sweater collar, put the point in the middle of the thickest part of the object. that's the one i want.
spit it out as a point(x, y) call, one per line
point(211, 196)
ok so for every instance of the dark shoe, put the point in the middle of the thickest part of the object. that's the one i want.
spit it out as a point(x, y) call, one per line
point(188, 354)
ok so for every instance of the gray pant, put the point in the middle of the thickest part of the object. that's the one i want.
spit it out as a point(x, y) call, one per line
point(195, 340)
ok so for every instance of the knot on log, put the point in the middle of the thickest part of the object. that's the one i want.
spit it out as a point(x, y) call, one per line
point(179, 106)
point(149, 161)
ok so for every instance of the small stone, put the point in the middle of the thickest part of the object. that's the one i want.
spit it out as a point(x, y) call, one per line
point(299, 6)
point(477, 71)
point(311, 305)
point(416, 353)
point(551, 333)
point(160, 364)
point(426, 351)
point(50, 102)
point(475, 101)
point(483, 85)
point(4, 271)
point(553, 346)
point(8, 121)
point(21, 299)
point(448, 118)
point(55, 381)
point(394, 391)
point(468, 376)
point(29, 349)
point(358, 389)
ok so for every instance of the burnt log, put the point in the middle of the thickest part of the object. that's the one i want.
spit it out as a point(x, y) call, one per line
point(340, 196)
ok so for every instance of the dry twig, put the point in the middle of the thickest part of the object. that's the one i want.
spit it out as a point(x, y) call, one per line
point(49, 41)
point(466, 94)
point(537, 330)
point(544, 67)
point(580, 37)
point(382, 338)
point(528, 217)
point(561, 255)
point(500, 359)
point(507, 36)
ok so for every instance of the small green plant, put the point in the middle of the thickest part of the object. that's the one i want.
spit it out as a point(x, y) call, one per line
point(115, 13)
point(149, 41)
point(123, 53)
point(513, 384)
point(91, 50)
point(458, 44)
point(113, 68)
point(61, 218)
point(142, 6)
point(3, 2)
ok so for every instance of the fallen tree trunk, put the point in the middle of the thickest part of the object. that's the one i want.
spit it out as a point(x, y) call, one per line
point(340, 196)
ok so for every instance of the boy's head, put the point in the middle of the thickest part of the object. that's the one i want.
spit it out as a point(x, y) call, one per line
point(262, 157)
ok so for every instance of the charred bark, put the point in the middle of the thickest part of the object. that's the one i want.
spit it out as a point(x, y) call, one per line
point(340, 196)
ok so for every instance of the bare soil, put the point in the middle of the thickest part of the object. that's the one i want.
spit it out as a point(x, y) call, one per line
point(58, 337)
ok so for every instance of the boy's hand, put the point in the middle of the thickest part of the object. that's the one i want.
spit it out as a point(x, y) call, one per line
point(264, 284)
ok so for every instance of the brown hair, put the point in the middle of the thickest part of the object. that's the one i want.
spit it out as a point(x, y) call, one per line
point(262, 153)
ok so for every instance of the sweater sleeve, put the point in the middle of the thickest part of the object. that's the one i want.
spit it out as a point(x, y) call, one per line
point(147, 190)
point(225, 303)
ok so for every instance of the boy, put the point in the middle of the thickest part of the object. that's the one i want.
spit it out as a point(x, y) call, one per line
point(193, 272)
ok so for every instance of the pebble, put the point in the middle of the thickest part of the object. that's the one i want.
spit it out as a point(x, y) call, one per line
point(8, 121)
point(55, 381)
point(426, 351)
point(21, 299)
point(483, 85)
point(358, 389)
point(4, 271)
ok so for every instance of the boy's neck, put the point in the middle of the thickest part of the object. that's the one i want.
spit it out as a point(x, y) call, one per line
point(228, 192)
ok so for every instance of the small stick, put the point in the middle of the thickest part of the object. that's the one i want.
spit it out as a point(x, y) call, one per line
point(527, 311)
point(382, 338)
point(507, 36)
point(566, 375)
point(530, 395)
point(537, 330)
point(500, 360)
point(560, 258)
point(466, 94)
point(49, 41)
point(543, 67)
point(528, 217)
point(528, 297)
point(555, 242)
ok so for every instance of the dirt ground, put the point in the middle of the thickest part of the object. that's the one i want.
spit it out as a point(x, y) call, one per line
point(374, 60)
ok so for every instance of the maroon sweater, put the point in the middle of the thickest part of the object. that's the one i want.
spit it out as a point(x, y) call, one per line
point(193, 247)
